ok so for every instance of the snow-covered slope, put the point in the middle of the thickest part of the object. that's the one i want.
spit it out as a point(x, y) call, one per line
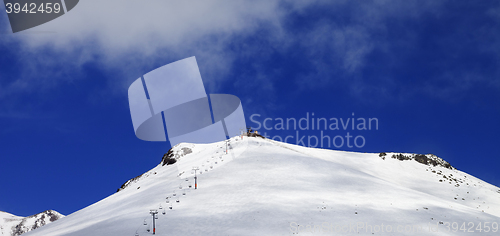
point(263, 187)
point(11, 225)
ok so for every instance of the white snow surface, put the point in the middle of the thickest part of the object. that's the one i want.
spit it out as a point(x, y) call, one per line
point(264, 187)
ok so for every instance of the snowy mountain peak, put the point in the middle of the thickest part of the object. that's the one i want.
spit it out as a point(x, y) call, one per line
point(16, 225)
point(255, 186)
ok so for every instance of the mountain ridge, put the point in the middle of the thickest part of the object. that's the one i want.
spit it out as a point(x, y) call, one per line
point(266, 187)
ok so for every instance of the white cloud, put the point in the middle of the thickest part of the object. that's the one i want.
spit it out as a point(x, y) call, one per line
point(131, 35)
point(129, 38)
point(136, 33)
point(145, 26)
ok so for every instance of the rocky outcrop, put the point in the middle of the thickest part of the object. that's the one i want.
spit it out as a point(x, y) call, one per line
point(168, 158)
point(429, 159)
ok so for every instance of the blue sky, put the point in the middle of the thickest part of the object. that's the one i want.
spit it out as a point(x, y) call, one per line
point(427, 70)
